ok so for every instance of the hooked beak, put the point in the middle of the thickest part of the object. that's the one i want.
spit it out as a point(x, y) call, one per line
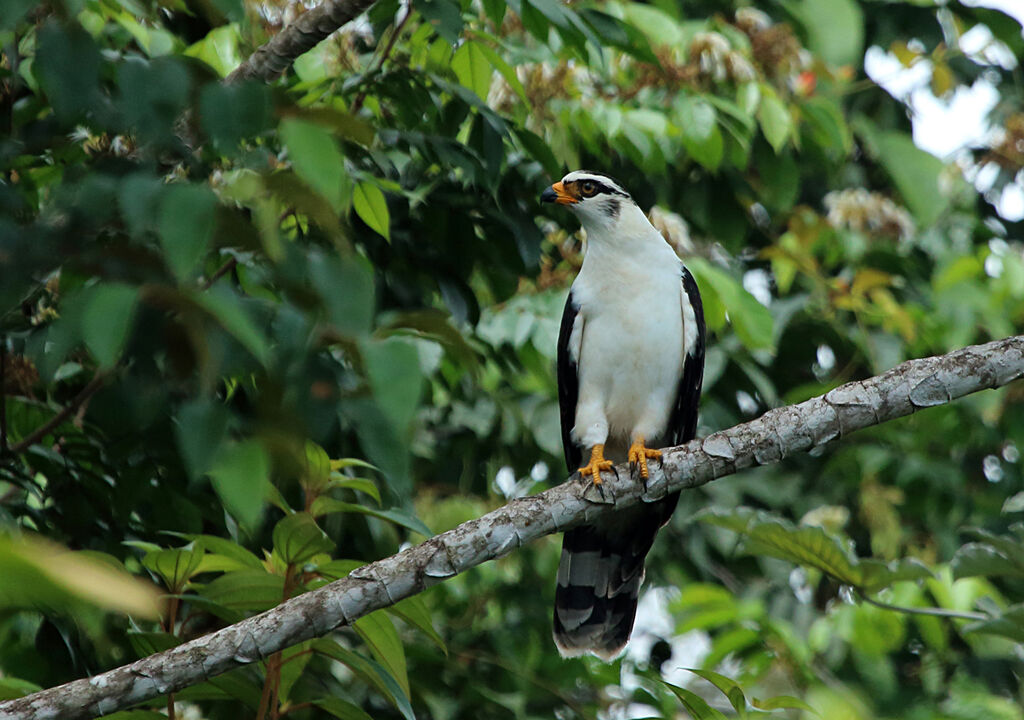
point(557, 194)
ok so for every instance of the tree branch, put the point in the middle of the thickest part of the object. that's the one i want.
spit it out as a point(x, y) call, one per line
point(776, 434)
point(277, 55)
point(40, 432)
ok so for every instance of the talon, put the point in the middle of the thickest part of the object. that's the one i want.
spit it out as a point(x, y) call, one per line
point(596, 465)
point(638, 455)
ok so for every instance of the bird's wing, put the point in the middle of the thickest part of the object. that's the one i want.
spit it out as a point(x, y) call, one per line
point(569, 339)
point(682, 422)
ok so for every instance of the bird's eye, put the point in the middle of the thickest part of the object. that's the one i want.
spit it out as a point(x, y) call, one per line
point(588, 188)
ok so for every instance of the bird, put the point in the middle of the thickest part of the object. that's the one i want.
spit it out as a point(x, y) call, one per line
point(630, 366)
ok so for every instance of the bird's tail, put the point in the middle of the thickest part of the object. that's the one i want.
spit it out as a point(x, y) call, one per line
point(599, 579)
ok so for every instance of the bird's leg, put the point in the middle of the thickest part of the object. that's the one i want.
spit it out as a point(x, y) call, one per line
point(638, 455)
point(596, 465)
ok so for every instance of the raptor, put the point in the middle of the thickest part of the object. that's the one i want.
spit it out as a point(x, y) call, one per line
point(630, 368)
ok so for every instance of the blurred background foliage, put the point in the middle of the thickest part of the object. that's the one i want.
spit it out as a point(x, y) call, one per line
point(254, 336)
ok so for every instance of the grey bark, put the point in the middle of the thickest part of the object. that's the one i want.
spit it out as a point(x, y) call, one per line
point(277, 55)
point(778, 433)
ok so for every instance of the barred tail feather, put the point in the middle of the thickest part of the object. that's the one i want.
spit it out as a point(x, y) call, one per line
point(599, 579)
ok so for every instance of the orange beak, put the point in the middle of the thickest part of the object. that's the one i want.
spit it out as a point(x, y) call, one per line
point(558, 194)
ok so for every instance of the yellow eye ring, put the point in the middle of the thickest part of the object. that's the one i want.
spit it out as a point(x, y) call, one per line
point(588, 188)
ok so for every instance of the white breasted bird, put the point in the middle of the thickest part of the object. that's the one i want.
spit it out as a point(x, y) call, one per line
point(630, 367)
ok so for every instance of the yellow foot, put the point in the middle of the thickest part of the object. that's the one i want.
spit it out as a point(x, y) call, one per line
point(597, 463)
point(638, 455)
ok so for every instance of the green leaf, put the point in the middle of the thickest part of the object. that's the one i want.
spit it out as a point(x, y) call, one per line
point(473, 68)
point(751, 320)
point(835, 28)
point(826, 124)
point(42, 574)
point(728, 687)
point(297, 538)
point(317, 160)
point(371, 671)
point(780, 702)
point(1009, 624)
point(876, 574)
point(174, 566)
point(915, 172)
point(981, 559)
point(695, 704)
point(234, 111)
point(67, 65)
point(317, 471)
point(765, 534)
point(227, 548)
point(507, 71)
point(186, 224)
point(354, 483)
point(106, 320)
point(1014, 503)
point(200, 426)
point(219, 49)
point(245, 591)
point(345, 284)
point(445, 16)
point(379, 634)
point(342, 709)
point(413, 610)
point(294, 662)
point(226, 307)
point(774, 117)
point(370, 205)
point(617, 33)
point(539, 150)
point(326, 505)
point(12, 687)
point(241, 477)
point(393, 369)
point(698, 122)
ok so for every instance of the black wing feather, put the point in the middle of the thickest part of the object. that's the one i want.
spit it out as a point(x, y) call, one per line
point(568, 386)
point(682, 423)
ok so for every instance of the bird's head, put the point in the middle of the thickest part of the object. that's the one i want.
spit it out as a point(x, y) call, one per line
point(598, 200)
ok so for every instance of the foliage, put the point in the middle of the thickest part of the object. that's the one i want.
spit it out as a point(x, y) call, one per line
point(283, 330)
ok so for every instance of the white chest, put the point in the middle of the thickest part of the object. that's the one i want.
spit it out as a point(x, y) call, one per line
point(630, 349)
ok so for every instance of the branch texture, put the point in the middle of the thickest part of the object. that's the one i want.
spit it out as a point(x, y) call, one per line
point(277, 55)
point(776, 434)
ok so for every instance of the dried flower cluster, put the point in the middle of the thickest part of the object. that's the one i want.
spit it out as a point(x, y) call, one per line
point(20, 376)
point(1008, 153)
point(775, 48)
point(865, 211)
point(543, 83)
point(103, 144)
point(674, 229)
point(718, 60)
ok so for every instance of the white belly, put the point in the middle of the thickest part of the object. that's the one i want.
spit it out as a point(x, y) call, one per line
point(631, 354)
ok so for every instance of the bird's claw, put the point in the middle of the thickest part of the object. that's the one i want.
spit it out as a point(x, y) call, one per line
point(638, 456)
point(597, 464)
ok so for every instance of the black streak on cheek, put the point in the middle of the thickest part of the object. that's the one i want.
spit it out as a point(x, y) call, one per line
point(612, 207)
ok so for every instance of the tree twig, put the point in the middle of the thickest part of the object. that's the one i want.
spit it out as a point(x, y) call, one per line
point(40, 432)
point(931, 612)
point(3, 396)
point(219, 273)
point(278, 54)
point(358, 102)
point(909, 387)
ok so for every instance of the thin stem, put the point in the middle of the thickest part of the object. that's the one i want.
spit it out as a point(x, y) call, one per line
point(40, 432)
point(296, 707)
point(932, 612)
point(357, 104)
point(220, 272)
point(3, 395)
